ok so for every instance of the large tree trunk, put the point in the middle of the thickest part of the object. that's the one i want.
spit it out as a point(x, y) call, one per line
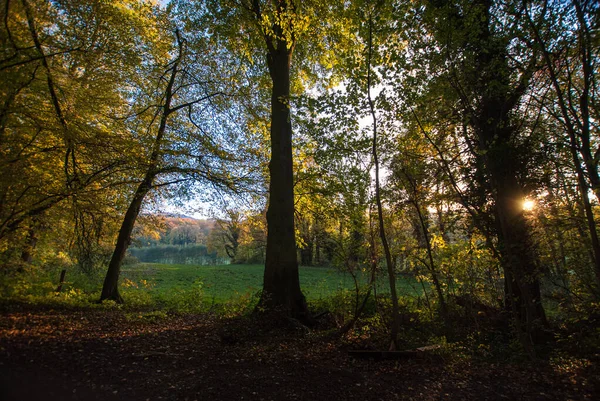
point(110, 289)
point(281, 286)
point(519, 261)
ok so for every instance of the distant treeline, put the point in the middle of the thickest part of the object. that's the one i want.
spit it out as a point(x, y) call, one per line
point(238, 238)
point(176, 254)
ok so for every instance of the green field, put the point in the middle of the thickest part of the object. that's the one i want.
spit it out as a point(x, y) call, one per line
point(225, 282)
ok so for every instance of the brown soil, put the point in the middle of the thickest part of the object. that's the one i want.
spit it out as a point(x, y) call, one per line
point(112, 355)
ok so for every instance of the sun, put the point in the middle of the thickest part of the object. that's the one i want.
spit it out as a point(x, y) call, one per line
point(528, 205)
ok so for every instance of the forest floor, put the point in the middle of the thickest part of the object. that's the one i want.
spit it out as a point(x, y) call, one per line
point(100, 354)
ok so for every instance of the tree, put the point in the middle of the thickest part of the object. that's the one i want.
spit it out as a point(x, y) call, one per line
point(570, 59)
point(228, 233)
point(162, 161)
point(59, 130)
point(391, 268)
point(110, 289)
point(489, 89)
point(412, 175)
point(271, 33)
point(281, 286)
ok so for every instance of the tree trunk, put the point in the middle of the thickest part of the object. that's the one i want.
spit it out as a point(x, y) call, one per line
point(61, 280)
point(520, 264)
point(391, 268)
point(306, 255)
point(281, 286)
point(318, 252)
point(110, 289)
point(431, 265)
point(306, 252)
point(30, 244)
point(517, 255)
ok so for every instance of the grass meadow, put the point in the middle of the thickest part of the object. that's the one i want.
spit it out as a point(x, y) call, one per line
point(226, 282)
point(190, 288)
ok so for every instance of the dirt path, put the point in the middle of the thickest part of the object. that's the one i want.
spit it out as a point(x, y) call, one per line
point(100, 355)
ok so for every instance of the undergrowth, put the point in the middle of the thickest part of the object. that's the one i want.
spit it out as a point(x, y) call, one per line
point(464, 334)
